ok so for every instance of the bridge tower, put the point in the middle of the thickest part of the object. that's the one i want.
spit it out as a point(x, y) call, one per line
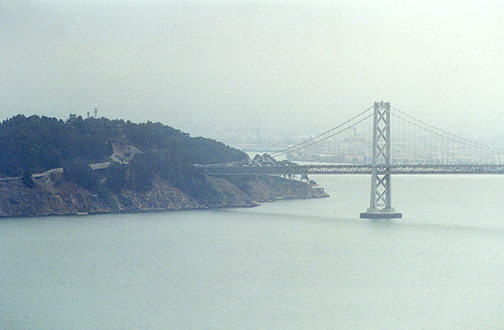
point(381, 191)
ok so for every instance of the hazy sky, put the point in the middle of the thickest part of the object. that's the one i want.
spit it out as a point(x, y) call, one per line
point(208, 67)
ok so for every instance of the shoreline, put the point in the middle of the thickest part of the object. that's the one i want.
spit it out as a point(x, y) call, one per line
point(203, 208)
point(55, 196)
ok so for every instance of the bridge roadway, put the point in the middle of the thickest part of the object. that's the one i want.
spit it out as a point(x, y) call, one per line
point(219, 170)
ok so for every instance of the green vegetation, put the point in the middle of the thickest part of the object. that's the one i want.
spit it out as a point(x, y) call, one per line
point(36, 144)
point(83, 175)
point(27, 179)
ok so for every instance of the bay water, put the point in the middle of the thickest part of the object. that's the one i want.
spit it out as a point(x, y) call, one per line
point(296, 264)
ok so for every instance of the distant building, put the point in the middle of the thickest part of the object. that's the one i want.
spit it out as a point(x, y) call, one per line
point(72, 117)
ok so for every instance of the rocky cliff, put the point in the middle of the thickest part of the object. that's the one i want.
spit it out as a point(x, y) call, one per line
point(54, 195)
point(268, 188)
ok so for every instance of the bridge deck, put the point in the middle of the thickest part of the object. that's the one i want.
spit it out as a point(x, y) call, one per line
point(351, 169)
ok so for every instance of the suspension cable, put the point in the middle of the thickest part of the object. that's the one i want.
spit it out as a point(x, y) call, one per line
point(327, 137)
point(284, 151)
point(445, 134)
point(448, 133)
point(302, 145)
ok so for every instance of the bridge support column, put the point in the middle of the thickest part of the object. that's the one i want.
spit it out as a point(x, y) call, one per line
point(381, 189)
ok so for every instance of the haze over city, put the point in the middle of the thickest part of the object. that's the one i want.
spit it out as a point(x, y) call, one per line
point(297, 67)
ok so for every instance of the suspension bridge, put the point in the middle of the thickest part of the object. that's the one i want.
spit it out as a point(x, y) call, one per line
point(362, 145)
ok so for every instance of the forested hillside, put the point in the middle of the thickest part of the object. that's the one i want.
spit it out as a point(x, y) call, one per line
point(144, 167)
point(36, 144)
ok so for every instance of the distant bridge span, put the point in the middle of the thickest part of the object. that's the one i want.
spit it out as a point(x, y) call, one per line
point(226, 170)
point(382, 166)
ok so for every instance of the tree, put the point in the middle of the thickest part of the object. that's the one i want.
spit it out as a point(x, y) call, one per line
point(27, 179)
point(116, 177)
point(83, 175)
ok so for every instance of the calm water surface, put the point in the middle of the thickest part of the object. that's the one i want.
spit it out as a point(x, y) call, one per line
point(308, 264)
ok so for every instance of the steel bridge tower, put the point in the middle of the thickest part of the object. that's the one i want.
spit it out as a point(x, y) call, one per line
point(381, 191)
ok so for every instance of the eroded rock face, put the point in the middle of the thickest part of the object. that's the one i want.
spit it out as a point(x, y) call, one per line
point(54, 195)
point(161, 197)
point(51, 195)
point(267, 188)
point(228, 195)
